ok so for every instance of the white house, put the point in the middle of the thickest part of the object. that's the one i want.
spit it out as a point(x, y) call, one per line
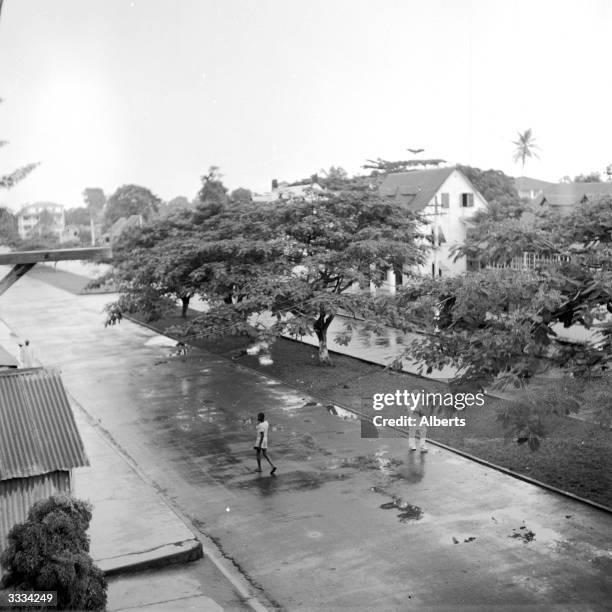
point(448, 200)
point(34, 219)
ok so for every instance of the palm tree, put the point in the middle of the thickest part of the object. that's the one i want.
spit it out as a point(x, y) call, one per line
point(525, 147)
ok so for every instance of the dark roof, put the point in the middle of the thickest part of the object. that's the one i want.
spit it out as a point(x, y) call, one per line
point(579, 190)
point(565, 196)
point(414, 189)
point(38, 433)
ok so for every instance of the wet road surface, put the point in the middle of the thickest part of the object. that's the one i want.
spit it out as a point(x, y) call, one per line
point(347, 523)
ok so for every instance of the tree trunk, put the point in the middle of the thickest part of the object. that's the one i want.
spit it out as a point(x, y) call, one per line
point(320, 327)
point(185, 301)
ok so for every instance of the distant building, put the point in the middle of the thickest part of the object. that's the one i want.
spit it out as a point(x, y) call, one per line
point(448, 200)
point(40, 443)
point(119, 226)
point(39, 218)
point(286, 191)
point(560, 197)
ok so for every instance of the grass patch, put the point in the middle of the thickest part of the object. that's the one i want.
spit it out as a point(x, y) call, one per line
point(575, 456)
point(68, 281)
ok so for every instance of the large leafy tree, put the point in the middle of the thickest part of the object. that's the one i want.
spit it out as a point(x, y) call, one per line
point(94, 199)
point(503, 324)
point(152, 266)
point(500, 323)
point(131, 200)
point(526, 147)
point(241, 195)
point(303, 260)
point(283, 267)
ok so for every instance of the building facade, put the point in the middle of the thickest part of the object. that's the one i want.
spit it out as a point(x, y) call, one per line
point(446, 198)
point(40, 218)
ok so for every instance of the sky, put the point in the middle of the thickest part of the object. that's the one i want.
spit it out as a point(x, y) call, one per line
point(152, 92)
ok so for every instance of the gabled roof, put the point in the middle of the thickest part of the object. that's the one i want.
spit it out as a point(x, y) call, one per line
point(38, 433)
point(415, 189)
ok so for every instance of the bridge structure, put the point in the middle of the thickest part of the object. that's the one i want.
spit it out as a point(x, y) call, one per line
point(23, 261)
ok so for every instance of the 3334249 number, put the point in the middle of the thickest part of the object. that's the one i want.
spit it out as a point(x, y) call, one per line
point(20, 599)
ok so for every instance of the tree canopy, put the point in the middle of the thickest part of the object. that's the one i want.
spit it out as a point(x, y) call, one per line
point(94, 199)
point(131, 200)
point(501, 323)
point(591, 177)
point(272, 268)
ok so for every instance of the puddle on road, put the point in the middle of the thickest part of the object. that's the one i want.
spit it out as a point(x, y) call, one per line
point(408, 512)
point(524, 534)
point(371, 462)
point(299, 480)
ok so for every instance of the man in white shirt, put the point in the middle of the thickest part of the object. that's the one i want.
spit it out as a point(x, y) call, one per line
point(261, 444)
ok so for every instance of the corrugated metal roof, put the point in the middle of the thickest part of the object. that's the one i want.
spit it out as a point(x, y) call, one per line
point(18, 495)
point(38, 433)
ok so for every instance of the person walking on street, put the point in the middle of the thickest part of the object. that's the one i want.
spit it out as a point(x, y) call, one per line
point(261, 444)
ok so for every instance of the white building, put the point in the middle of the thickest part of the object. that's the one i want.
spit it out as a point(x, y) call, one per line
point(448, 200)
point(35, 219)
point(284, 191)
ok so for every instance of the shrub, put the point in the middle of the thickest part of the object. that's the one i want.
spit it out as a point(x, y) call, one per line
point(50, 552)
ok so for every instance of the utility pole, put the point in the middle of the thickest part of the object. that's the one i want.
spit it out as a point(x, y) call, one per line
point(436, 238)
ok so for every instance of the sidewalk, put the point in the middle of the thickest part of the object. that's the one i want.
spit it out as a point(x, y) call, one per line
point(132, 528)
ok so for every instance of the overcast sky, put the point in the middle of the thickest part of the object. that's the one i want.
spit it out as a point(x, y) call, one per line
point(153, 92)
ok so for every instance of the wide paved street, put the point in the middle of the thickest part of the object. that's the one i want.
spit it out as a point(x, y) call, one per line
point(347, 523)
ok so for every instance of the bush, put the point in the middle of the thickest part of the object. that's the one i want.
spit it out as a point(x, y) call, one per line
point(50, 552)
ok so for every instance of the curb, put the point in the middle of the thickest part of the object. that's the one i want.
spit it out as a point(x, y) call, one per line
point(323, 400)
point(169, 554)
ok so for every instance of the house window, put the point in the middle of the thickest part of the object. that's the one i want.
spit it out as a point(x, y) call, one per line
point(467, 200)
point(445, 200)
